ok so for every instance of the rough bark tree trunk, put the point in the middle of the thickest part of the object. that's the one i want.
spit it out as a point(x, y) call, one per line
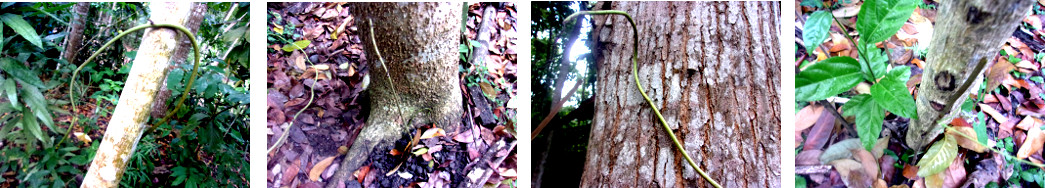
point(966, 32)
point(181, 53)
point(128, 121)
point(713, 69)
point(419, 43)
point(74, 40)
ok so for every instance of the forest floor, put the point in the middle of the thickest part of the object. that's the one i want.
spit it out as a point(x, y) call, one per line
point(339, 111)
point(1009, 104)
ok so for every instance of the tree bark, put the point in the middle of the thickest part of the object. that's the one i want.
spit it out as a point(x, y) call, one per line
point(419, 42)
point(966, 33)
point(129, 118)
point(74, 40)
point(181, 53)
point(713, 69)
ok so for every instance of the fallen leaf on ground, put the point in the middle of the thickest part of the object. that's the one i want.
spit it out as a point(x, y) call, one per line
point(967, 143)
point(993, 113)
point(1033, 143)
point(319, 168)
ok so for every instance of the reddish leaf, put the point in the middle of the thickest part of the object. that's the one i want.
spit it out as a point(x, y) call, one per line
point(821, 130)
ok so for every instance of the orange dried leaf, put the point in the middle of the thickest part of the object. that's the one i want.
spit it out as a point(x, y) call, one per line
point(1028, 123)
point(967, 143)
point(993, 113)
point(319, 168)
point(1033, 143)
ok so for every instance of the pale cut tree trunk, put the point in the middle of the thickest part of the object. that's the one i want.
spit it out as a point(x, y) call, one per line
point(129, 118)
point(714, 69)
point(419, 42)
point(965, 33)
point(74, 40)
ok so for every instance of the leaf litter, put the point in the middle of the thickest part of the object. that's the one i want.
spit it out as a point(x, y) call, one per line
point(1010, 109)
point(482, 153)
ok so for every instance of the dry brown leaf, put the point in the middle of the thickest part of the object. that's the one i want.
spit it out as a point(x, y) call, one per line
point(839, 43)
point(432, 133)
point(292, 171)
point(993, 113)
point(808, 157)
point(319, 168)
point(807, 117)
point(848, 11)
point(935, 180)
point(967, 143)
point(1028, 123)
point(955, 174)
point(996, 74)
point(880, 183)
point(1033, 20)
point(298, 60)
point(910, 171)
point(1026, 66)
point(870, 164)
point(359, 174)
point(1033, 143)
point(852, 172)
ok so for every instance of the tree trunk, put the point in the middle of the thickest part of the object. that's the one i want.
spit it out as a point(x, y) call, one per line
point(74, 40)
point(966, 33)
point(419, 43)
point(129, 118)
point(181, 53)
point(713, 69)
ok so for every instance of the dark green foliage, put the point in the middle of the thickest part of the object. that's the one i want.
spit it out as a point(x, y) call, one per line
point(204, 145)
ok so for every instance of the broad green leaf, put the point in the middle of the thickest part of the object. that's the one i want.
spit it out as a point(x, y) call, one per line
point(29, 123)
point(827, 78)
point(938, 157)
point(12, 94)
point(301, 44)
point(16, 70)
point(234, 34)
point(23, 28)
point(174, 80)
point(817, 29)
point(981, 129)
point(869, 117)
point(891, 93)
point(877, 60)
point(35, 100)
point(880, 19)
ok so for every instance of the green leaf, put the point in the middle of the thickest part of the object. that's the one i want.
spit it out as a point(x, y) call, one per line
point(938, 157)
point(35, 100)
point(869, 117)
point(981, 129)
point(301, 44)
point(817, 29)
point(880, 19)
point(812, 3)
point(877, 60)
point(12, 94)
point(1, 36)
point(827, 78)
point(891, 93)
point(174, 80)
point(29, 123)
point(18, 71)
point(23, 28)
